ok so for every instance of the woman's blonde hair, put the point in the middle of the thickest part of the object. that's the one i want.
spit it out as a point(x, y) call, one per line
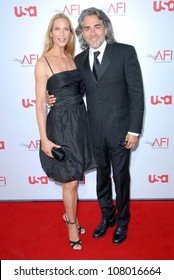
point(70, 47)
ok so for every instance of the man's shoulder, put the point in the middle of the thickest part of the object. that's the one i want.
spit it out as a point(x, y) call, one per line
point(80, 58)
point(81, 54)
point(122, 45)
point(122, 49)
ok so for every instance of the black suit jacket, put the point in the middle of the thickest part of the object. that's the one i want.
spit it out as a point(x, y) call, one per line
point(115, 102)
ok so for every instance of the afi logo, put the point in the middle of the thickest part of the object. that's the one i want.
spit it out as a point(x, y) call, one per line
point(161, 143)
point(28, 60)
point(159, 6)
point(26, 103)
point(3, 181)
point(117, 8)
point(34, 145)
point(72, 10)
point(20, 11)
point(38, 180)
point(164, 56)
point(2, 145)
point(166, 100)
point(159, 179)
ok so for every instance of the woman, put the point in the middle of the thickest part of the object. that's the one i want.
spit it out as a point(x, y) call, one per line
point(66, 125)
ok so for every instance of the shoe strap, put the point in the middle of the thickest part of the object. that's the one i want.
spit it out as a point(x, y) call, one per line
point(74, 243)
point(67, 221)
point(71, 223)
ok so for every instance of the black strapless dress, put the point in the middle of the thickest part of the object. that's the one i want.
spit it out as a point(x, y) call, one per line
point(67, 126)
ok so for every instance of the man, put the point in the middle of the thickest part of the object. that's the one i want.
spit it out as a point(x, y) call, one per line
point(115, 103)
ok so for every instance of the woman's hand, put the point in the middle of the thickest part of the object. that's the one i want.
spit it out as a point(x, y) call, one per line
point(47, 146)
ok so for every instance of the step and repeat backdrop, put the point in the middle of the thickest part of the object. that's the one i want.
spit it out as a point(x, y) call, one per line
point(148, 26)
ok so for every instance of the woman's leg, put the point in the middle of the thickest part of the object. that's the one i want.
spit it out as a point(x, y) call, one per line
point(70, 197)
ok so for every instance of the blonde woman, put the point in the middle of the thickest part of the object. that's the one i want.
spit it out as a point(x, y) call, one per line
point(65, 127)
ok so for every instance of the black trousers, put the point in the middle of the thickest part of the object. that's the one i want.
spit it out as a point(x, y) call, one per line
point(114, 160)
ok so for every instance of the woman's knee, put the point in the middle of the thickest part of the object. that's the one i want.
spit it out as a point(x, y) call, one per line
point(71, 186)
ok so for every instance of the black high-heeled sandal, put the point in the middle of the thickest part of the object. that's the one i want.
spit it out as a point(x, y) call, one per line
point(74, 243)
point(81, 229)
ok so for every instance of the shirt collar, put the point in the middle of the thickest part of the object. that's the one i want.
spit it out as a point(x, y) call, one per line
point(101, 49)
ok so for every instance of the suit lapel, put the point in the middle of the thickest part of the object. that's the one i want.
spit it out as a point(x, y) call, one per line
point(106, 61)
point(86, 66)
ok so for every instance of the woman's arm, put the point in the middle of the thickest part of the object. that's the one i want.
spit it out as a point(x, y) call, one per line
point(41, 106)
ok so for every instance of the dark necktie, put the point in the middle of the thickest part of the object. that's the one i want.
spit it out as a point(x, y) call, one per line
point(96, 65)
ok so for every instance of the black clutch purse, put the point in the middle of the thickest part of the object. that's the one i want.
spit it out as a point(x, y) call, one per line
point(58, 153)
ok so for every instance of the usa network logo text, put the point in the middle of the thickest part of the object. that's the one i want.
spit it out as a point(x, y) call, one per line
point(161, 100)
point(30, 11)
point(33, 180)
point(164, 178)
point(2, 145)
point(160, 6)
point(27, 103)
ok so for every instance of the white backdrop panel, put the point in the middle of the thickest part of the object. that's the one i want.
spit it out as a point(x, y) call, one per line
point(145, 24)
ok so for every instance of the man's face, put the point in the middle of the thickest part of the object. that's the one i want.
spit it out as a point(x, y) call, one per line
point(93, 31)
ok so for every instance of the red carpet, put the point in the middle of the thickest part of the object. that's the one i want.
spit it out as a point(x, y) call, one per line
point(35, 231)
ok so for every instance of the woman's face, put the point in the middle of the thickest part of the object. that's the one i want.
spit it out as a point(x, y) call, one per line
point(60, 32)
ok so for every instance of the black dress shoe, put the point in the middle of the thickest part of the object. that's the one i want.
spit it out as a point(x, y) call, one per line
point(120, 235)
point(103, 226)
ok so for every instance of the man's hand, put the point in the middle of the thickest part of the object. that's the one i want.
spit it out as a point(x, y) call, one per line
point(131, 141)
point(50, 100)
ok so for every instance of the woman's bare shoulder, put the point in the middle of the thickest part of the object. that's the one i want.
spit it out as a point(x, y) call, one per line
point(41, 67)
point(41, 61)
